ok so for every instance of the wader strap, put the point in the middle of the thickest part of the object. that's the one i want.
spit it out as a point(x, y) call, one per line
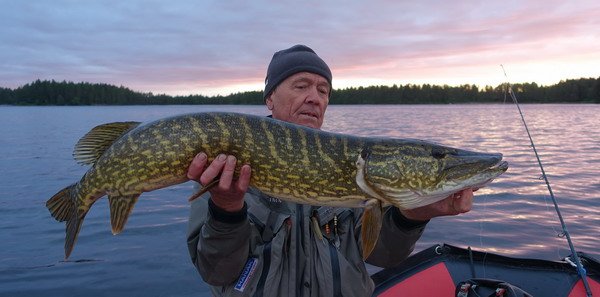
point(335, 269)
point(260, 287)
point(269, 229)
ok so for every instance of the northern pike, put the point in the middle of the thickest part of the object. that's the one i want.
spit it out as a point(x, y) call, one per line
point(288, 161)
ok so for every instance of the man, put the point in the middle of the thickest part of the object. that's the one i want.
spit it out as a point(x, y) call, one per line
point(245, 243)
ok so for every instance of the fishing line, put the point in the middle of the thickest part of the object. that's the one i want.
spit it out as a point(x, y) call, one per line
point(580, 270)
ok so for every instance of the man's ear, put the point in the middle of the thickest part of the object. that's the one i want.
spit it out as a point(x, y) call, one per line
point(269, 101)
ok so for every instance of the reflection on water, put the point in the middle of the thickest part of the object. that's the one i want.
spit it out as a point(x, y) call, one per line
point(513, 216)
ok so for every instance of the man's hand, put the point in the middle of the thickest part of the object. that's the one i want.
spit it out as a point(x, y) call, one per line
point(228, 194)
point(458, 203)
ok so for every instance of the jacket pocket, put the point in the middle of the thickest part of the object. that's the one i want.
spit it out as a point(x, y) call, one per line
point(263, 271)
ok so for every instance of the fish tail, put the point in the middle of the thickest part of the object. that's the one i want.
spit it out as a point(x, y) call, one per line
point(63, 207)
point(73, 227)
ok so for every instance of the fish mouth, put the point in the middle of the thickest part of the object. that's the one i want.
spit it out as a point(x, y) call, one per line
point(468, 162)
point(485, 176)
point(475, 171)
point(501, 165)
point(491, 173)
point(497, 169)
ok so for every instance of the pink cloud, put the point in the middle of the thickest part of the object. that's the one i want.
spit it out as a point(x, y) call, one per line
point(200, 45)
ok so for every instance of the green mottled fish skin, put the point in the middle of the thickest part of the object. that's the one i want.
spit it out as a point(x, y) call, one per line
point(289, 161)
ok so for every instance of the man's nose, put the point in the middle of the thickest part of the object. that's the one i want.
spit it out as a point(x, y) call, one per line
point(313, 96)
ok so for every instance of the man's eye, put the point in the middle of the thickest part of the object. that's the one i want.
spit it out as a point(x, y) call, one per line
point(300, 86)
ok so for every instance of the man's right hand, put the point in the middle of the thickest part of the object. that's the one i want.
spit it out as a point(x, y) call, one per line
point(228, 194)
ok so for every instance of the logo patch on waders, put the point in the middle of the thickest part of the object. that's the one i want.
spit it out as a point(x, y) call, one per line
point(246, 275)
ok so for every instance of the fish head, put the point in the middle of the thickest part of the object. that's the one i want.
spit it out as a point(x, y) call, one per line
point(414, 173)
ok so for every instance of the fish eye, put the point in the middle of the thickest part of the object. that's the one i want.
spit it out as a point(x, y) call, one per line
point(438, 154)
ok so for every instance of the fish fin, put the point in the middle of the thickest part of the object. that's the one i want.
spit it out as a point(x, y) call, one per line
point(396, 193)
point(411, 200)
point(62, 205)
point(72, 231)
point(120, 209)
point(93, 144)
point(401, 198)
point(371, 225)
point(204, 189)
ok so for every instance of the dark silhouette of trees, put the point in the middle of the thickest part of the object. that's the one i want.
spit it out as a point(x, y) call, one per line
point(583, 90)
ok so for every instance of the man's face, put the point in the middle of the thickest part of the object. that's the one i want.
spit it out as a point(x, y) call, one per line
point(301, 99)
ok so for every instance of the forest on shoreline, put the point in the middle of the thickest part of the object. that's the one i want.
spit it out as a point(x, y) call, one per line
point(50, 92)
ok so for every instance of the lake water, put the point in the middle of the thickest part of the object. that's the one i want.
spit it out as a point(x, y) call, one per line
point(513, 216)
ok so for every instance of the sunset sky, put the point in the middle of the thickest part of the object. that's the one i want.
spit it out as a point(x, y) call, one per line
point(220, 47)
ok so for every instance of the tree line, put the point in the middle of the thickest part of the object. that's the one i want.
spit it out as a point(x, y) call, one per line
point(50, 92)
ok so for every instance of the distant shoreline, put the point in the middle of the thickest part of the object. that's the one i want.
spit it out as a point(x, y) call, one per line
point(53, 93)
point(330, 104)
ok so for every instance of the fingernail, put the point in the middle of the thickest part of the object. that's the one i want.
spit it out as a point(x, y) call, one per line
point(221, 157)
point(201, 156)
point(231, 160)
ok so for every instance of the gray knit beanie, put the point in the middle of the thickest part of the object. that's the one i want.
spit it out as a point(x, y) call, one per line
point(287, 62)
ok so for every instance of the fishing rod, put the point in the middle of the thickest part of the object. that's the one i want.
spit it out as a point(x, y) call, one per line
point(580, 270)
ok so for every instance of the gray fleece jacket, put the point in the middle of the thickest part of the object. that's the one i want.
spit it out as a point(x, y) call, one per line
point(272, 248)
